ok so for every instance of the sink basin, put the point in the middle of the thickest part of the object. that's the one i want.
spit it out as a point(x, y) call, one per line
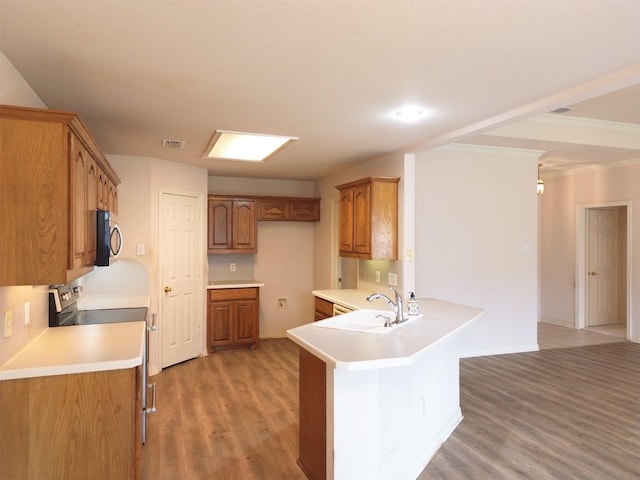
point(367, 321)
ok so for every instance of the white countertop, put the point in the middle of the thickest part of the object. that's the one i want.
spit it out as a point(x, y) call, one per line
point(214, 285)
point(354, 299)
point(112, 301)
point(79, 349)
point(348, 350)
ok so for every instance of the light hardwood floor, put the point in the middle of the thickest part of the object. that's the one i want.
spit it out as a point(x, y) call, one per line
point(561, 413)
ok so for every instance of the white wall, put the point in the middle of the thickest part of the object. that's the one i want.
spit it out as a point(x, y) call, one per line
point(14, 90)
point(139, 217)
point(280, 244)
point(562, 196)
point(392, 165)
point(476, 241)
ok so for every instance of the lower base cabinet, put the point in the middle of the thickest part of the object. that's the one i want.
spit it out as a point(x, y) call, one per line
point(313, 416)
point(323, 308)
point(232, 318)
point(72, 427)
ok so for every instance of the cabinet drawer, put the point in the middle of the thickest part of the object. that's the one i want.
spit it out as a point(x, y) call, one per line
point(233, 293)
point(324, 309)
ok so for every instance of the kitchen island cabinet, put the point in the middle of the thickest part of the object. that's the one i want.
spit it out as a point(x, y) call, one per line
point(71, 405)
point(388, 401)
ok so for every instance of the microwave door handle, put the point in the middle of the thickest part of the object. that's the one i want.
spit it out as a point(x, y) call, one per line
point(116, 231)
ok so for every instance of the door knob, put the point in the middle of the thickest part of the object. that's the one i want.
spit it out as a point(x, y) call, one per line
point(167, 289)
point(592, 273)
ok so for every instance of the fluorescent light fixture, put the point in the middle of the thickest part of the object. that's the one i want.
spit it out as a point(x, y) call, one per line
point(253, 147)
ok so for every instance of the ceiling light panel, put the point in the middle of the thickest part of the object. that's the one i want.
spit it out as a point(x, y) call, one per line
point(252, 147)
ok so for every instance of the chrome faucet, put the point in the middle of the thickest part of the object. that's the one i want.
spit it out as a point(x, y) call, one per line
point(397, 306)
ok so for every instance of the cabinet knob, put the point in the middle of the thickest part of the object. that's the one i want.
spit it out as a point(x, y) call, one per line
point(167, 289)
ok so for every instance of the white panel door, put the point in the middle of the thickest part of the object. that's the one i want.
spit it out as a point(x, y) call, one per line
point(180, 257)
point(601, 266)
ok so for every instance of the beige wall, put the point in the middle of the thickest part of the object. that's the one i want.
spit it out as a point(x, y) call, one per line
point(281, 245)
point(476, 241)
point(139, 217)
point(562, 196)
point(387, 166)
point(14, 90)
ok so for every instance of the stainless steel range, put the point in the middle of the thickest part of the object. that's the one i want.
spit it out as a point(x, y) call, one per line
point(64, 312)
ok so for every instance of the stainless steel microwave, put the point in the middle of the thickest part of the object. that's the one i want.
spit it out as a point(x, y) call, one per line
point(109, 243)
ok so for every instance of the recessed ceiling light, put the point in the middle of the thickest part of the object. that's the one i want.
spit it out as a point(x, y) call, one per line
point(409, 114)
point(251, 147)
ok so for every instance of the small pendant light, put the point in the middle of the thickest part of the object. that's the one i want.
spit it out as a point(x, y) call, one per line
point(540, 187)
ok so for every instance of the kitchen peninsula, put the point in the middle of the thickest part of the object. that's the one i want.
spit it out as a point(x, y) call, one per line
point(379, 406)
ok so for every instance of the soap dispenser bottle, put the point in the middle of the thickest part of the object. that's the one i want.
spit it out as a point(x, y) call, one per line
point(412, 305)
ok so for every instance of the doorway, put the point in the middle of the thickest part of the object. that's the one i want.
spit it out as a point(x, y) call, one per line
point(603, 271)
point(180, 260)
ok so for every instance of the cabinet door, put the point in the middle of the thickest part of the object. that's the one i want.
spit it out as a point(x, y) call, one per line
point(362, 219)
point(305, 211)
point(220, 323)
point(323, 309)
point(346, 221)
point(112, 197)
point(246, 321)
point(219, 224)
point(78, 170)
point(244, 225)
point(92, 205)
point(276, 209)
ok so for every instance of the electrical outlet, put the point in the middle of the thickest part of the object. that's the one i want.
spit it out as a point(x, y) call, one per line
point(393, 279)
point(281, 303)
point(8, 323)
point(377, 277)
point(232, 267)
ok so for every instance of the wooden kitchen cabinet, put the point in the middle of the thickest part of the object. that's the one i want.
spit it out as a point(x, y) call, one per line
point(292, 209)
point(72, 427)
point(232, 225)
point(49, 190)
point(368, 226)
point(312, 392)
point(323, 309)
point(232, 318)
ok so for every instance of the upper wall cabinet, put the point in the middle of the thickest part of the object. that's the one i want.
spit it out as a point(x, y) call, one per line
point(293, 209)
point(232, 225)
point(50, 171)
point(369, 218)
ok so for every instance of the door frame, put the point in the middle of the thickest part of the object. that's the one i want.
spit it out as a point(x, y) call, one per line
point(201, 270)
point(581, 262)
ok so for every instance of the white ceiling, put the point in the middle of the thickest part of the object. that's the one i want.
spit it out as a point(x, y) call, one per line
point(333, 72)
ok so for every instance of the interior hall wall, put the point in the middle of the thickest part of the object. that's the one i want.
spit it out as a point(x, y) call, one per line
point(142, 179)
point(391, 165)
point(476, 241)
point(14, 90)
point(558, 210)
point(284, 260)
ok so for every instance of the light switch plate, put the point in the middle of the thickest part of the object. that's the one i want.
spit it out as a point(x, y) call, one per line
point(393, 279)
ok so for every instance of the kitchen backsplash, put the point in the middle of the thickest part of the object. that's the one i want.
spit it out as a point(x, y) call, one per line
point(221, 266)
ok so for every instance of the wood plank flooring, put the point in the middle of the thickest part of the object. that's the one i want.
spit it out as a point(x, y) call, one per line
point(562, 413)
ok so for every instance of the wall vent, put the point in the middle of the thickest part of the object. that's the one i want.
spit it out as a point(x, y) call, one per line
point(174, 144)
point(561, 110)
